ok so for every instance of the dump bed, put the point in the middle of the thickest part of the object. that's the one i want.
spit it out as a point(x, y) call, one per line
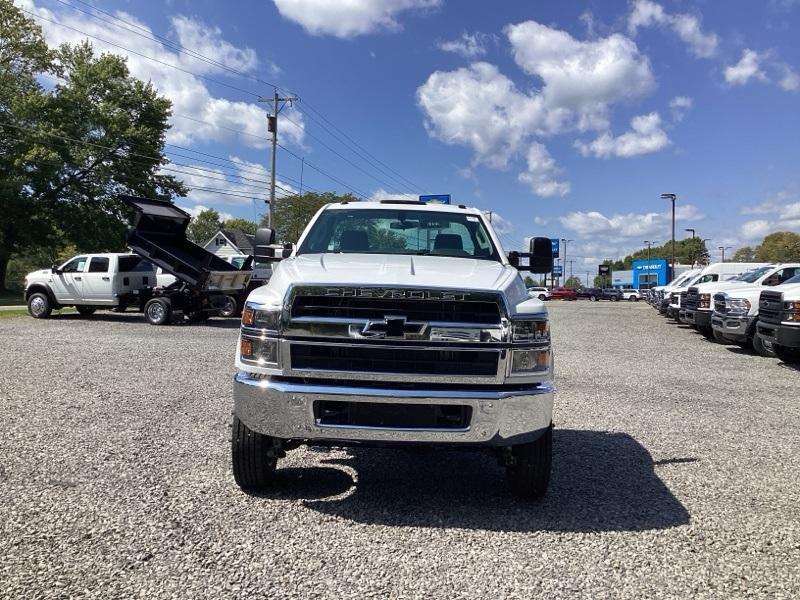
point(159, 235)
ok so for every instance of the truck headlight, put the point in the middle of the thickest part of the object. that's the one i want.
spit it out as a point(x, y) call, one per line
point(705, 301)
point(259, 351)
point(258, 318)
point(738, 306)
point(530, 331)
point(529, 361)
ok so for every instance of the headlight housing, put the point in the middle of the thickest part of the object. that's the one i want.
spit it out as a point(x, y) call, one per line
point(534, 356)
point(261, 352)
point(534, 330)
point(792, 312)
point(737, 306)
point(259, 318)
point(705, 301)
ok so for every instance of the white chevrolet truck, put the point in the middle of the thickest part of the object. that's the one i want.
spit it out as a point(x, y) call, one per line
point(396, 323)
point(89, 282)
point(698, 304)
point(779, 320)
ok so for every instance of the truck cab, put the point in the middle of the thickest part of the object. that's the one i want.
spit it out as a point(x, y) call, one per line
point(396, 323)
point(779, 320)
point(89, 282)
point(699, 307)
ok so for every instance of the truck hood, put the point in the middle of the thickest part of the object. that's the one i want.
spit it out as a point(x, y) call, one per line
point(397, 270)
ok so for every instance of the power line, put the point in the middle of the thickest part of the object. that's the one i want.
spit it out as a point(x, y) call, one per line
point(361, 195)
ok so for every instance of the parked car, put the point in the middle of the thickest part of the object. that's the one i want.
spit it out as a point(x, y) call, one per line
point(595, 294)
point(89, 282)
point(542, 293)
point(699, 306)
point(562, 293)
point(779, 320)
point(631, 294)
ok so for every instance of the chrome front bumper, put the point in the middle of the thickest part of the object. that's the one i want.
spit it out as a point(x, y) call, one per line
point(285, 410)
point(735, 328)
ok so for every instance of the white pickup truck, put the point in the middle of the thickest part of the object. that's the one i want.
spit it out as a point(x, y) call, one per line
point(89, 282)
point(396, 323)
point(779, 320)
point(698, 304)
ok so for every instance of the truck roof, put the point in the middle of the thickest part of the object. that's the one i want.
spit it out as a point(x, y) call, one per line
point(400, 204)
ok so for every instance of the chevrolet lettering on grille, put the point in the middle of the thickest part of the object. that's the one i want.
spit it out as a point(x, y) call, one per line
point(396, 294)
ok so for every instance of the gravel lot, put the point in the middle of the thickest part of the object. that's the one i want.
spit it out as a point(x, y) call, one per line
point(675, 474)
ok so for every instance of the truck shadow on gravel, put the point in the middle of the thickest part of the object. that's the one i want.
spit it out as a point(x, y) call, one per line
point(600, 482)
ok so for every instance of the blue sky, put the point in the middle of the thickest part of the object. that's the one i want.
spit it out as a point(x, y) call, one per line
point(565, 119)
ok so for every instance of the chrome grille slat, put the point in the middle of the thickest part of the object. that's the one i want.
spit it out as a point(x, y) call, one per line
point(770, 307)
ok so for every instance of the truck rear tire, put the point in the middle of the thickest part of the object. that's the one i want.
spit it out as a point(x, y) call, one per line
point(39, 306)
point(157, 311)
point(85, 311)
point(252, 457)
point(788, 355)
point(229, 309)
point(528, 475)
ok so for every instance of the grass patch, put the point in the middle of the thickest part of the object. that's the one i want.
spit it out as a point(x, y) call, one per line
point(13, 313)
point(11, 298)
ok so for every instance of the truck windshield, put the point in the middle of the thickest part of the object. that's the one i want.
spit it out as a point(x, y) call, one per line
point(393, 231)
point(752, 276)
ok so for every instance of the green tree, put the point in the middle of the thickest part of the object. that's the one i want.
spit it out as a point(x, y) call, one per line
point(291, 214)
point(599, 281)
point(242, 225)
point(781, 246)
point(574, 282)
point(203, 226)
point(66, 153)
point(744, 254)
point(529, 281)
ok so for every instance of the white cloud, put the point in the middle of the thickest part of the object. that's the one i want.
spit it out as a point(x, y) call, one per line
point(207, 40)
point(645, 137)
point(542, 173)
point(790, 81)
point(754, 230)
point(188, 93)
point(351, 18)
point(749, 67)
point(479, 107)
point(646, 13)
point(469, 45)
point(198, 208)
point(382, 194)
point(500, 224)
point(631, 225)
point(679, 105)
point(581, 77)
point(537, 220)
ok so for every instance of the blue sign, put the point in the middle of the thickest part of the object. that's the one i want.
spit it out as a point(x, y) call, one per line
point(435, 198)
point(556, 243)
point(558, 270)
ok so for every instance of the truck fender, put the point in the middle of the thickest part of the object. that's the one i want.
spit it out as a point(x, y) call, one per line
point(40, 287)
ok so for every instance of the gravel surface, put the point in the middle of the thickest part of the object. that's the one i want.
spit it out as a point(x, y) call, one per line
point(675, 474)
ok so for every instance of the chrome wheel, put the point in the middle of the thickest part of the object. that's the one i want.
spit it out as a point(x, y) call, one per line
point(228, 308)
point(38, 306)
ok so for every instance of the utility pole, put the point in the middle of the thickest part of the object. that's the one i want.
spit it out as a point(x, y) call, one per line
point(272, 126)
point(649, 244)
point(587, 278)
point(570, 267)
point(565, 255)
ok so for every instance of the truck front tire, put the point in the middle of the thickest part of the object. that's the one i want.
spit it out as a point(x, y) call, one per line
point(761, 348)
point(786, 354)
point(253, 457)
point(157, 311)
point(528, 473)
point(39, 306)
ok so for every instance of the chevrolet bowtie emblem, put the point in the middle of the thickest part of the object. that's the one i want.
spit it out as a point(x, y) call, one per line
point(392, 327)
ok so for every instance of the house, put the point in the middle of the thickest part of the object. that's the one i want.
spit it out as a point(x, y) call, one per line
point(230, 242)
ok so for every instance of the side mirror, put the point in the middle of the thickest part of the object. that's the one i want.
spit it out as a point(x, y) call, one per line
point(264, 238)
point(54, 268)
point(287, 250)
point(541, 255)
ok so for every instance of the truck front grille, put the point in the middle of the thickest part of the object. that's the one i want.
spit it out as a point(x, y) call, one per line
point(479, 311)
point(770, 307)
point(692, 299)
point(384, 415)
point(405, 360)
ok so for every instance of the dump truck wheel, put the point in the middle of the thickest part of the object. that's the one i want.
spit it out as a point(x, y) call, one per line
point(157, 311)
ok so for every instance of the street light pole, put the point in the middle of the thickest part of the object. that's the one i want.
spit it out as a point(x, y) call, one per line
point(672, 198)
point(692, 230)
point(722, 249)
point(704, 243)
point(649, 244)
point(565, 256)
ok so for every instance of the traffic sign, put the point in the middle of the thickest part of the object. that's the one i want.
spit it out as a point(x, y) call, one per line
point(556, 243)
point(558, 270)
point(435, 198)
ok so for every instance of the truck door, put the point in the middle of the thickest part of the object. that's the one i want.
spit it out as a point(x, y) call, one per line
point(68, 283)
point(98, 286)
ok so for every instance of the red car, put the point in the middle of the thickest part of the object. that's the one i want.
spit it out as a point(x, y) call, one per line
point(562, 293)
